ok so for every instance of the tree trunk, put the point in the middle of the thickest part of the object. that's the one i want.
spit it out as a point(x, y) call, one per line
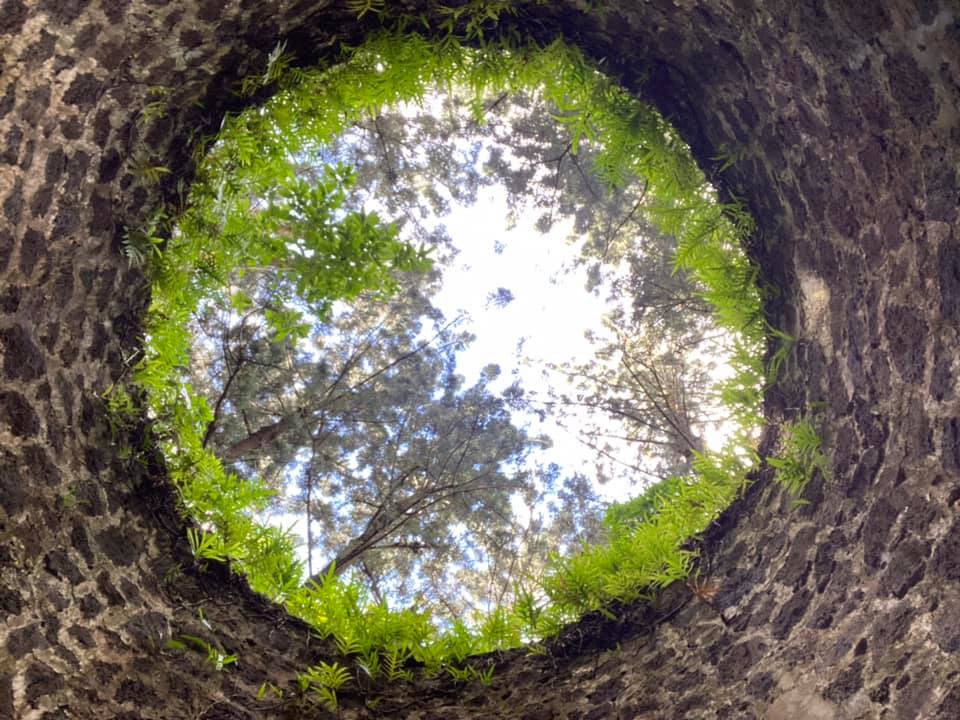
point(254, 443)
point(844, 115)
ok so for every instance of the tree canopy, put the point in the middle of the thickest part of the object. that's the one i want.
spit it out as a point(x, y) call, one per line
point(447, 153)
point(404, 476)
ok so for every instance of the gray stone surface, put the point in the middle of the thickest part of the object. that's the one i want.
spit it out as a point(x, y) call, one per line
point(847, 117)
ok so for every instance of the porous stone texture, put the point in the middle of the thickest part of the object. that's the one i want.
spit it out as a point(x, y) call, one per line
point(845, 117)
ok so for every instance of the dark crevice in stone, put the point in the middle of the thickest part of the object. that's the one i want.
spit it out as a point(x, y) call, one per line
point(22, 359)
point(17, 415)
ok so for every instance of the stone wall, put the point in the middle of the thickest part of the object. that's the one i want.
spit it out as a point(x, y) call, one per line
point(845, 116)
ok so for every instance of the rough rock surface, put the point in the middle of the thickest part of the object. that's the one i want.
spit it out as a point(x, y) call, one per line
point(846, 119)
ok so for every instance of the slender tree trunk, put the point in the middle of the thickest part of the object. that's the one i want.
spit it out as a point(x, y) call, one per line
point(260, 438)
point(308, 511)
point(844, 117)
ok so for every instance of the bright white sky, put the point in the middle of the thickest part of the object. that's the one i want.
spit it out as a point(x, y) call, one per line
point(549, 314)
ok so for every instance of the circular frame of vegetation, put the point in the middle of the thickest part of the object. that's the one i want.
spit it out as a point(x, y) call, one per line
point(333, 256)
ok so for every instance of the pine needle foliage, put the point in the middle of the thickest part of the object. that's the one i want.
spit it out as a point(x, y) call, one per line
point(247, 195)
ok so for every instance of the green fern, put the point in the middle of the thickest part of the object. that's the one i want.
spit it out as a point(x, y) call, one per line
point(216, 657)
point(800, 458)
point(324, 680)
point(362, 7)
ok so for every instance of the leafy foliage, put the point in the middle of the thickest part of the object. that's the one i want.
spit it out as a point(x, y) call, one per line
point(324, 679)
point(217, 658)
point(800, 457)
point(623, 517)
point(337, 255)
point(645, 554)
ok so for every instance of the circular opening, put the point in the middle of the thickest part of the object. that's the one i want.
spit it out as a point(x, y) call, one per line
point(257, 208)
